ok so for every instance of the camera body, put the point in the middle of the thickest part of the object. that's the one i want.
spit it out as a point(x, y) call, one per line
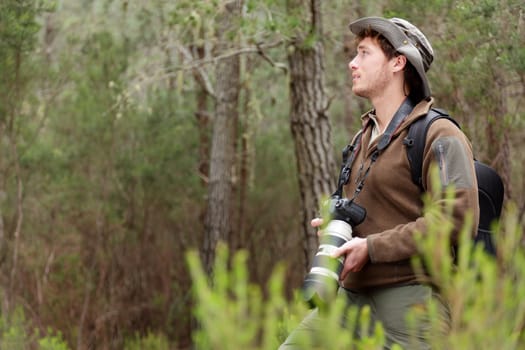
point(321, 283)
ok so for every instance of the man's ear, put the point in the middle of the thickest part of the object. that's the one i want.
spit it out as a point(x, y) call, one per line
point(400, 63)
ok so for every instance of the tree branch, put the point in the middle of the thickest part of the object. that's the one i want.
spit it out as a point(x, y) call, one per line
point(205, 81)
point(269, 60)
point(258, 48)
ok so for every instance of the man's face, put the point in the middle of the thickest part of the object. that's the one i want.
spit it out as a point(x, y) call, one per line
point(369, 69)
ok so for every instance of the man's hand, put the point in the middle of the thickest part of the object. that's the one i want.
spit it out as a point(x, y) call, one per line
point(355, 252)
point(356, 255)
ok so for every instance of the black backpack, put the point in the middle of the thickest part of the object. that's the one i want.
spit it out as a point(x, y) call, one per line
point(490, 185)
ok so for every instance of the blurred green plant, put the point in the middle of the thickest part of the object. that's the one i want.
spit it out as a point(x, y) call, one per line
point(483, 292)
point(233, 314)
point(53, 341)
point(13, 333)
point(229, 302)
point(151, 341)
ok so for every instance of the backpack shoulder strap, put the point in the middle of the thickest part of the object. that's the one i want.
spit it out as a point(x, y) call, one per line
point(416, 140)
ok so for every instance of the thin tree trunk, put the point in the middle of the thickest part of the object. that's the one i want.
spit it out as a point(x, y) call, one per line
point(203, 119)
point(222, 160)
point(311, 128)
point(240, 241)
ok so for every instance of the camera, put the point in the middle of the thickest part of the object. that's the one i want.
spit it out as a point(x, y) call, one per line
point(321, 283)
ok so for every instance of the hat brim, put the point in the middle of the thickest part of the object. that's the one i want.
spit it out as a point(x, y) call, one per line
point(398, 39)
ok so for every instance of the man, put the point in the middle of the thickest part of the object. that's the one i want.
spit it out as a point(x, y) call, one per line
point(389, 70)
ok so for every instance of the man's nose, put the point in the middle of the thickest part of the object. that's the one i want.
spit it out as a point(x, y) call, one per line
point(352, 65)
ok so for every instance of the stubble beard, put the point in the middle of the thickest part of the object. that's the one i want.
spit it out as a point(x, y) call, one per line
point(376, 85)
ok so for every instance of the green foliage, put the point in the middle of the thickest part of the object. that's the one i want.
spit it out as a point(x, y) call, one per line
point(480, 290)
point(234, 314)
point(53, 342)
point(13, 334)
point(18, 34)
point(19, 26)
point(220, 315)
point(19, 29)
point(150, 342)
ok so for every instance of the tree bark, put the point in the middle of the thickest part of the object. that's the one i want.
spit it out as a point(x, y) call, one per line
point(222, 159)
point(311, 128)
point(244, 172)
point(203, 121)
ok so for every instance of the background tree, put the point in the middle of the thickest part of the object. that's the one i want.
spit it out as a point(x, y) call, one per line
point(309, 121)
point(17, 129)
point(222, 159)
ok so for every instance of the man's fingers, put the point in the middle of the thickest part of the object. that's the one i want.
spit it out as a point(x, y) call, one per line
point(356, 255)
point(337, 253)
point(316, 222)
point(342, 250)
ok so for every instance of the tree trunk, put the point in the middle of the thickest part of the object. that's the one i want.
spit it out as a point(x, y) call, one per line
point(203, 121)
point(222, 159)
point(311, 128)
point(244, 172)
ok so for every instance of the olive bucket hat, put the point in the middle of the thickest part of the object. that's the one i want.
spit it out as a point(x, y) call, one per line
point(406, 39)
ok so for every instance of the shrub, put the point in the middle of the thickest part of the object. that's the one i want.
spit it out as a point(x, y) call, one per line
point(13, 333)
point(149, 342)
point(233, 314)
point(52, 342)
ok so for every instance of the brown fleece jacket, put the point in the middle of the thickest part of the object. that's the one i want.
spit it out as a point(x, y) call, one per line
point(393, 202)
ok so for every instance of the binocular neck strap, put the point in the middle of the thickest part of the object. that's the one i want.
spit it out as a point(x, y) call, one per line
point(350, 152)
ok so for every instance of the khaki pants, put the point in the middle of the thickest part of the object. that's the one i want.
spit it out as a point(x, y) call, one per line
point(388, 306)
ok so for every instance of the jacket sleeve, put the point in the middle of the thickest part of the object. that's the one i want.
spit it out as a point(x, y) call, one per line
point(449, 149)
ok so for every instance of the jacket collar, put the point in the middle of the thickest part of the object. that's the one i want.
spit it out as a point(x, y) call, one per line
point(419, 110)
